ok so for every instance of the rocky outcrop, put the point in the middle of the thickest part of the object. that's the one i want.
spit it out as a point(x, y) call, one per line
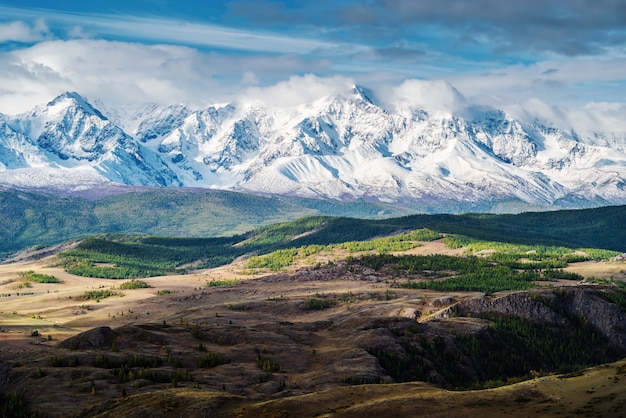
point(590, 304)
point(524, 305)
point(593, 307)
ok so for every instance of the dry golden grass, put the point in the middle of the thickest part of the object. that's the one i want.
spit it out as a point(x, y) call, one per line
point(57, 311)
point(597, 392)
point(600, 269)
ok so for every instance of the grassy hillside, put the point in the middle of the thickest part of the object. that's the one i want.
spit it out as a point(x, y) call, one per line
point(28, 219)
point(592, 228)
point(509, 266)
point(552, 237)
point(587, 394)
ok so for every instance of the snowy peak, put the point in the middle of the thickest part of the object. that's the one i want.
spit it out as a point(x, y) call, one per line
point(506, 137)
point(420, 151)
point(161, 121)
point(69, 128)
point(73, 99)
point(361, 93)
point(68, 133)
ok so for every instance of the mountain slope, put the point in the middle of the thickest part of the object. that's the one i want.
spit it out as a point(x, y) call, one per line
point(28, 219)
point(69, 134)
point(344, 146)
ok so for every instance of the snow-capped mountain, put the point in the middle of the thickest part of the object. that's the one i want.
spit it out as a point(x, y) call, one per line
point(72, 142)
point(343, 146)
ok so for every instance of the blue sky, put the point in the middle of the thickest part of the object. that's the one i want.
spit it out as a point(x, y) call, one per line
point(563, 52)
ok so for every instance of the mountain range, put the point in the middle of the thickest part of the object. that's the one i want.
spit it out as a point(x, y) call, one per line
point(344, 146)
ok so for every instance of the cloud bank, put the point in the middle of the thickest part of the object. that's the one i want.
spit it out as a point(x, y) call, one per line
point(449, 53)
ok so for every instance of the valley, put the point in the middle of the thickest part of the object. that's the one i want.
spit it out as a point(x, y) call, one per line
point(324, 335)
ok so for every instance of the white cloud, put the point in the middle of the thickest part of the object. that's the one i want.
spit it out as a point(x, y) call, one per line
point(568, 82)
point(77, 32)
point(122, 72)
point(609, 118)
point(206, 35)
point(166, 30)
point(249, 78)
point(132, 73)
point(299, 90)
point(110, 71)
point(428, 94)
point(19, 31)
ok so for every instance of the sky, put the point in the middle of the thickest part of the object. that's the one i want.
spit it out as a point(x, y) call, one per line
point(524, 54)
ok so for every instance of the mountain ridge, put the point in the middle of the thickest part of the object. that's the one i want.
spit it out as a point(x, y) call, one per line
point(343, 146)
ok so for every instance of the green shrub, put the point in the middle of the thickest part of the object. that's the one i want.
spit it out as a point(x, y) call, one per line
point(212, 359)
point(314, 304)
point(217, 283)
point(99, 294)
point(37, 277)
point(134, 284)
point(275, 260)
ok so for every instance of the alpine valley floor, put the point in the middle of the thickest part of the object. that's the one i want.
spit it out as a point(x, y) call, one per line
point(323, 337)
